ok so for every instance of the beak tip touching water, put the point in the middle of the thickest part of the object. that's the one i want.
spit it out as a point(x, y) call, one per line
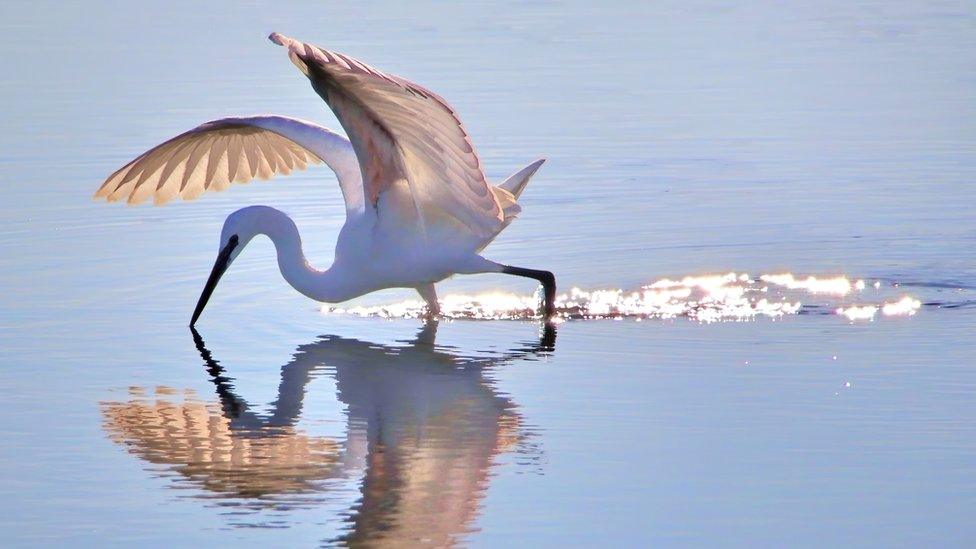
point(219, 268)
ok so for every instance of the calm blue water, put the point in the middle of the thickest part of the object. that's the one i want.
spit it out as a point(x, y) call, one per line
point(683, 139)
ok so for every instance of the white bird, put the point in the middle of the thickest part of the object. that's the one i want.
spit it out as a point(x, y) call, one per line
point(418, 206)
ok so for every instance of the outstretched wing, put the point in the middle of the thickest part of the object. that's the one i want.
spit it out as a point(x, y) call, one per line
point(234, 150)
point(417, 160)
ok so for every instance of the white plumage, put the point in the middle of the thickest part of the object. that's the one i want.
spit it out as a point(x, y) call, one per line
point(418, 205)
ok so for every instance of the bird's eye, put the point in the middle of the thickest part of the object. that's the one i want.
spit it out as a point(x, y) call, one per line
point(233, 240)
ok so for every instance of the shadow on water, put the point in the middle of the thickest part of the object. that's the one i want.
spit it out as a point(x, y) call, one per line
point(423, 429)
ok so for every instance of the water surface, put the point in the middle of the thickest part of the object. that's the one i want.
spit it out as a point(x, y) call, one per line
point(684, 140)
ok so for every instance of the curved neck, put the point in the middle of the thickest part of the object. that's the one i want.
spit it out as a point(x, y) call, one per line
point(327, 285)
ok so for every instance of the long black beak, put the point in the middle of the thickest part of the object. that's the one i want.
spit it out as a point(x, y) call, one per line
point(220, 266)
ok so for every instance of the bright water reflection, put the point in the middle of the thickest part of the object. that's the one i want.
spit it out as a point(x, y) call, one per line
point(709, 298)
point(423, 429)
point(787, 139)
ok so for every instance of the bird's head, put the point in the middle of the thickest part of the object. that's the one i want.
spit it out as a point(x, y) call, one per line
point(239, 228)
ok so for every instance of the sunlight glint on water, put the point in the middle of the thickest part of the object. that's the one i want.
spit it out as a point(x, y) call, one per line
point(706, 298)
point(682, 138)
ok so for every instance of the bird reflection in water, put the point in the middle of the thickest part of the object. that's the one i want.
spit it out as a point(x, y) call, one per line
point(423, 429)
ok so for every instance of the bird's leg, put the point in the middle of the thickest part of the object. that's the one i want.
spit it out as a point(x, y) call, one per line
point(429, 294)
point(427, 334)
point(548, 281)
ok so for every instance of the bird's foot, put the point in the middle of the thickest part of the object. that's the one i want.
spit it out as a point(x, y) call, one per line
point(431, 313)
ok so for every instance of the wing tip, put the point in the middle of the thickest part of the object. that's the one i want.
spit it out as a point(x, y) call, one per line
point(134, 200)
point(285, 41)
point(296, 50)
point(278, 38)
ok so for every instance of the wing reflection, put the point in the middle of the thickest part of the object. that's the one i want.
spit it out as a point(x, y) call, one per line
point(208, 448)
point(423, 429)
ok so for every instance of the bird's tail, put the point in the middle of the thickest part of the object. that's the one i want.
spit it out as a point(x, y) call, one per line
point(507, 195)
point(516, 182)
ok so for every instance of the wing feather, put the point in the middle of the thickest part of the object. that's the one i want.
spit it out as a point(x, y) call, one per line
point(217, 153)
point(299, 159)
point(194, 176)
point(220, 181)
point(196, 160)
point(252, 154)
point(267, 163)
point(282, 155)
point(404, 133)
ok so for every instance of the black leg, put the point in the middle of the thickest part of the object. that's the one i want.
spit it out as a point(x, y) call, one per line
point(548, 282)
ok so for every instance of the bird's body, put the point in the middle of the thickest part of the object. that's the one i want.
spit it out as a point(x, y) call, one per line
point(418, 206)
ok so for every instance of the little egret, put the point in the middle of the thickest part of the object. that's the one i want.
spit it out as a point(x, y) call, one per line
point(418, 206)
